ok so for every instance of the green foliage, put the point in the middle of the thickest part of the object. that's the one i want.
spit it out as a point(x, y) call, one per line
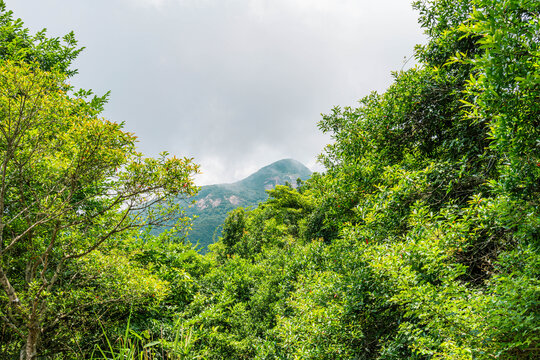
point(72, 186)
point(233, 228)
point(420, 241)
point(50, 54)
point(133, 345)
point(428, 214)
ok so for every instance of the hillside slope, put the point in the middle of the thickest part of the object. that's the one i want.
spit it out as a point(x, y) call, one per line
point(213, 202)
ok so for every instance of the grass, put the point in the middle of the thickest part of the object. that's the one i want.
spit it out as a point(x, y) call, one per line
point(136, 346)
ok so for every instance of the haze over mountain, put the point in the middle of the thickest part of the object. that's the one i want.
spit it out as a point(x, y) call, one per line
point(213, 202)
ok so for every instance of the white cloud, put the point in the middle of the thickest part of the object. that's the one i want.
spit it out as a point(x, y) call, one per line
point(149, 3)
point(237, 84)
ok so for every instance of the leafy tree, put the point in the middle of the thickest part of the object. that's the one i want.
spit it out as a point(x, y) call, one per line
point(71, 184)
point(233, 228)
point(439, 176)
point(17, 44)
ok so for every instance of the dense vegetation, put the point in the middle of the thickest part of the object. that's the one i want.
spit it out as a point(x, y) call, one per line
point(420, 241)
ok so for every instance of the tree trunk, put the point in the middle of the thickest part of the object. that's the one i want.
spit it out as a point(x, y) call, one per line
point(29, 351)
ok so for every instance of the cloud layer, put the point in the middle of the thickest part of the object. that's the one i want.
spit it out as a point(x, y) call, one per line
point(236, 84)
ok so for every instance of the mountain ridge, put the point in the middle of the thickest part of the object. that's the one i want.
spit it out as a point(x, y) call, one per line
point(213, 202)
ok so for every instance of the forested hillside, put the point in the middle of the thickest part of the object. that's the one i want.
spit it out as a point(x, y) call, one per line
point(213, 202)
point(419, 241)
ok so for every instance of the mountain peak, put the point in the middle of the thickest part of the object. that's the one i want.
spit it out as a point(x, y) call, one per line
point(279, 172)
point(214, 201)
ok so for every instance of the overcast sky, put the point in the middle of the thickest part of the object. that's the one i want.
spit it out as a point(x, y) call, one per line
point(236, 84)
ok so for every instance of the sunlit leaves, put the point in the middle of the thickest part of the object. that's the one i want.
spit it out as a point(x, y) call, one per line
point(71, 184)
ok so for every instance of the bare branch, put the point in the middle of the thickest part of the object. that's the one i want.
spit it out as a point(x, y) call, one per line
point(102, 239)
point(9, 290)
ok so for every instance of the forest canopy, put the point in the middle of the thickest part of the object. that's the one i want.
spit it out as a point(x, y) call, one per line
point(419, 241)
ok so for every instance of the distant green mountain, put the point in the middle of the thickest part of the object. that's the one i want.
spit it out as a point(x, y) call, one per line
point(213, 202)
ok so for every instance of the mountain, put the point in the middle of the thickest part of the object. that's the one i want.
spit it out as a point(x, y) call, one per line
point(213, 202)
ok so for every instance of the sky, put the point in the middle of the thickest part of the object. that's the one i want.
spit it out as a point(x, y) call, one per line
point(235, 84)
